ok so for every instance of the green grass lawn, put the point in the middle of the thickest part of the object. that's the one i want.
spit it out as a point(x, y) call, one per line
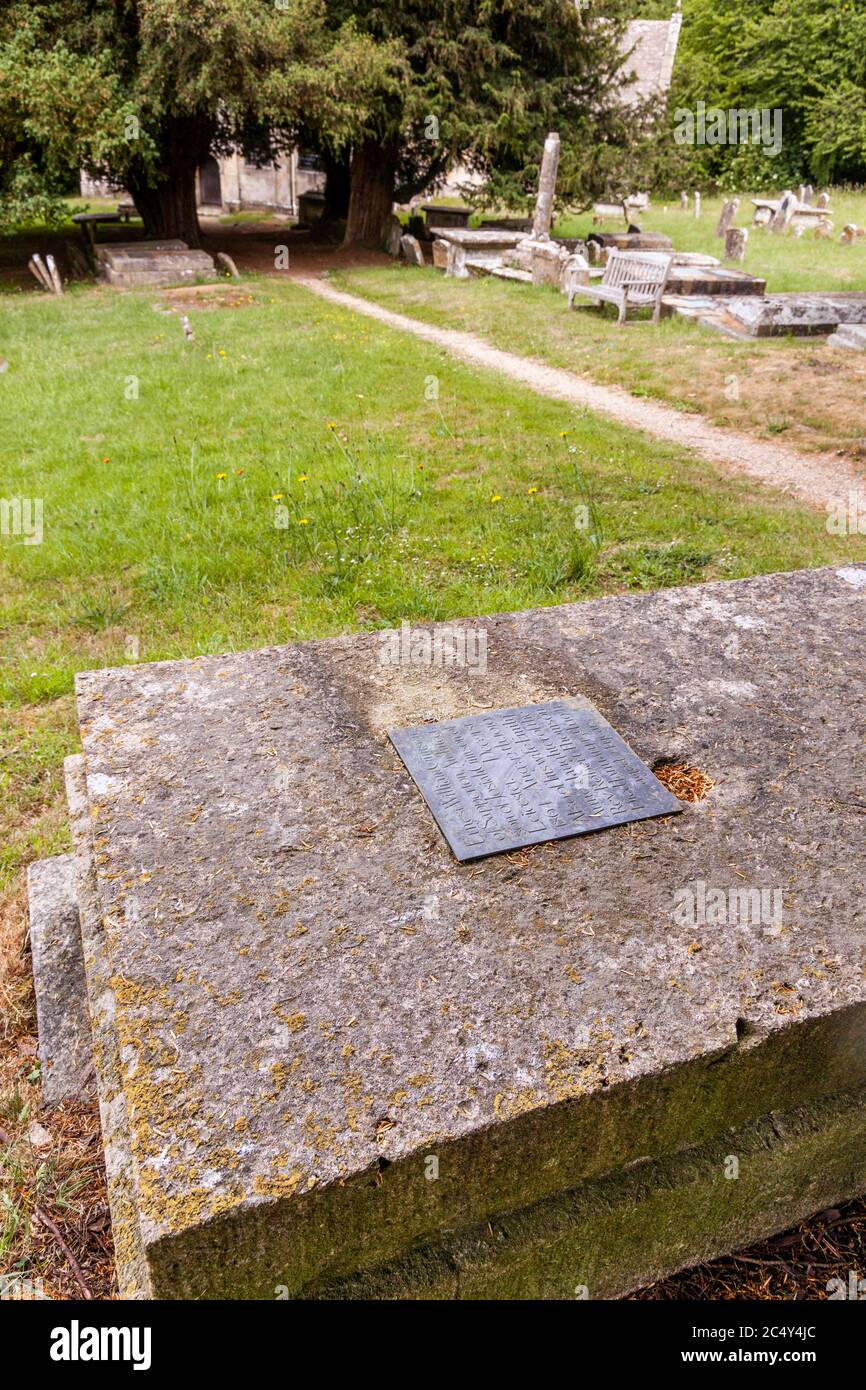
point(291, 473)
point(799, 389)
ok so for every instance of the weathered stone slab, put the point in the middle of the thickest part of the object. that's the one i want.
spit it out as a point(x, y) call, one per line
point(65, 1048)
point(410, 247)
point(311, 998)
point(631, 1228)
point(713, 280)
point(122, 1178)
point(153, 263)
point(800, 313)
point(849, 335)
point(441, 252)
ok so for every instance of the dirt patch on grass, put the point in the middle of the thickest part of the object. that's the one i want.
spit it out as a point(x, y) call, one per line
point(200, 297)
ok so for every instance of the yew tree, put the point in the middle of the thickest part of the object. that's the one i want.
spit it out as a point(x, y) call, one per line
point(483, 83)
point(142, 91)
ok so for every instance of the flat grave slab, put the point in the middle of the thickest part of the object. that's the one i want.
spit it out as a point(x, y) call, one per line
point(313, 999)
point(802, 314)
point(520, 776)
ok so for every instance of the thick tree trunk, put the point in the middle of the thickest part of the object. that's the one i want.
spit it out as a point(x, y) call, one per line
point(338, 182)
point(167, 206)
point(374, 174)
point(331, 225)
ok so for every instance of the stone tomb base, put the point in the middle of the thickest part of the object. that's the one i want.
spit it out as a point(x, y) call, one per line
point(152, 263)
point(333, 1059)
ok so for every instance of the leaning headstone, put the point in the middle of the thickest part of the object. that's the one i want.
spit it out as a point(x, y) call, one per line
point(394, 237)
point(736, 239)
point(728, 213)
point(65, 1044)
point(222, 258)
point(54, 274)
point(697, 203)
point(763, 217)
point(785, 211)
point(543, 218)
point(824, 229)
point(37, 268)
point(411, 249)
point(850, 233)
point(823, 200)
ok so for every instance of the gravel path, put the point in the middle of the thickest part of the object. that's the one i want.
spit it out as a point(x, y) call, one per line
point(812, 478)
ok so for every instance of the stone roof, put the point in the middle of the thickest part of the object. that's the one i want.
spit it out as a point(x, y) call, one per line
point(652, 46)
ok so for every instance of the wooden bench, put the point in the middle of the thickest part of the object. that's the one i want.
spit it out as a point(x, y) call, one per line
point(632, 280)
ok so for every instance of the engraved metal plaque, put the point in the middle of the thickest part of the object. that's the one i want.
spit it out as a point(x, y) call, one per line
point(512, 777)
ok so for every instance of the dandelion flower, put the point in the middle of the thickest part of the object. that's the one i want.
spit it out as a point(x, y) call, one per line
point(303, 477)
point(303, 521)
point(563, 434)
point(496, 497)
point(277, 497)
point(530, 490)
point(220, 476)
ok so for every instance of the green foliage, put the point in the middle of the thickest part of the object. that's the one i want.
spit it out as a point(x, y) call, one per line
point(486, 80)
point(140, 92)
point(806, 58)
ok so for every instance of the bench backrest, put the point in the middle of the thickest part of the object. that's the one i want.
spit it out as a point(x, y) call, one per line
point(642, 272)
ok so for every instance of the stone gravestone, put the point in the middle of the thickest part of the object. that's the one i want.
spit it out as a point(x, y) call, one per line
point(785, 211)
point(394, 237)
point(684, 201)
point(823, 200)
point(728, 213)
point(575, 271)
point(410, 247)
point(441, 251)
point(697, 203)
point(543, 218)
point(736, 239)
point(546, 263)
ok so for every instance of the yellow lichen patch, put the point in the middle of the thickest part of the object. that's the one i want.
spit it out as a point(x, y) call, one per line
point(242, 1124)
point(508, 1106)
point(281, 1185)
point(281, 1072)
point(293, 1021)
